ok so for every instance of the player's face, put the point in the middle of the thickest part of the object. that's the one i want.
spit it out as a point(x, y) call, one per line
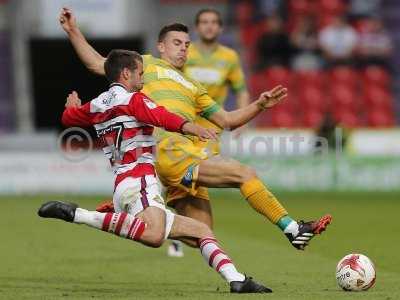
point(208, 27)
point(136, 80)
point(174, 48)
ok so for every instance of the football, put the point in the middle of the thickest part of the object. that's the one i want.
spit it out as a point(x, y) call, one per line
point(355, 272)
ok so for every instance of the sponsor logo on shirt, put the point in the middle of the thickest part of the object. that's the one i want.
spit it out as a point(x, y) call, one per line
point(175, 76)
point(205, 75)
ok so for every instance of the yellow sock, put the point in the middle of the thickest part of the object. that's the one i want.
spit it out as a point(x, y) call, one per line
point(262, 200)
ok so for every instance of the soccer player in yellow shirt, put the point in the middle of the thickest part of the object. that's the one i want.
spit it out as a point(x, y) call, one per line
point(218, 69)
point(182, 163)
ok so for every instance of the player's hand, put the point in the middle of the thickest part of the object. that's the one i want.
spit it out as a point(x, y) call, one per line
point(73, 100)
point(271, 98)
point(67, 19)
point(202, 133)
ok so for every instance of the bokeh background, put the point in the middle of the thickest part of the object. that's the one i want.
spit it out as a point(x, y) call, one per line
point(339, 59)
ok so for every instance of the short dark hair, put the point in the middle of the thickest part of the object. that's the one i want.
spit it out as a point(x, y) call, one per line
point(119, 59)
point(172, 27)
point(208, 10)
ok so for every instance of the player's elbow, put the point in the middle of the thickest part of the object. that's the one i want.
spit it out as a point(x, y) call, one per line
point(225, 122)
point(97, 68)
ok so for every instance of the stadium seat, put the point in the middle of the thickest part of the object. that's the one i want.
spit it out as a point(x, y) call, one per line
point(312, 98)
point(310, 78)
point(282, 119)
point(343, 97)
point(324, 20)
point(376, 75)
point(300, 7)
point(380, 118)
point(377, 98)
point(278, 75)
point(344, 75)
point(331, 7)
point(312, 118)
point(348, 118)
point(257, 83)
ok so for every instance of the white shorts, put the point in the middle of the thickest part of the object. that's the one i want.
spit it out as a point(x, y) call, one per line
point(133, 195)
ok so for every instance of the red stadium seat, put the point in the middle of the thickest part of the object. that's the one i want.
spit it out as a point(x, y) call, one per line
point(282, 119)
point(312, 98)
point(300, 7)
point(347, 118)
point(324, 20)
point(278, 76)
point(344, 97)
point(380, 118)
point(377, 98)
point(257, 83)
point(310, 78)
point(331, 7)
point(263, 120)
point(312, 118)
point(344, 75)
point(375, 75)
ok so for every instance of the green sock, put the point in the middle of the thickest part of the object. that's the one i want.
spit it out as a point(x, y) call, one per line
point(284, 222)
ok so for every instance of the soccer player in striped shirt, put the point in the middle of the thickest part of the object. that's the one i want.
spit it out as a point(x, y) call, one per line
point(124, 119)
point(180, 162)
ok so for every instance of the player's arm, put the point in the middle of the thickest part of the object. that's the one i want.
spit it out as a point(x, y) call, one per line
point(76, 114)
point(87, 54)
point(234, 119)
point(147, 111)
point(242, 99)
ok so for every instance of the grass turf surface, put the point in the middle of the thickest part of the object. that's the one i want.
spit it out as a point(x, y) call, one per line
point(51, 259)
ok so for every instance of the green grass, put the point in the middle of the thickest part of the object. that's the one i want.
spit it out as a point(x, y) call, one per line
point(50, 259)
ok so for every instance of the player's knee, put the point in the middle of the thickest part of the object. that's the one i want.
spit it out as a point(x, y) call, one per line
point(154, 235)
point(156, 239)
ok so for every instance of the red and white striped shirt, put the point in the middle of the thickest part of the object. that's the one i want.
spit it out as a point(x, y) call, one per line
point(125, 122)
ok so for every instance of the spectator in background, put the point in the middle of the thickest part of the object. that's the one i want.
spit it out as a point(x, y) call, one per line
point(274, 46)
point(338, 42)
point(374, 46)
point(304, 39)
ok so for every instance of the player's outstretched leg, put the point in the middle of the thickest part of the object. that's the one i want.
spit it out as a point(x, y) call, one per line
point(120, 224)
point(197, 234)
point(223, 172)
point(220, 261)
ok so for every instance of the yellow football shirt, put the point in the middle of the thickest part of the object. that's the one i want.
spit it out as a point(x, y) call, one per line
point(174, 90)
point(216, 71)
point(178, 93)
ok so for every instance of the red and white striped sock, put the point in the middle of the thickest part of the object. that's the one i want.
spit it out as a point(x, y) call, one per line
point(121, 224)
point(218, 260)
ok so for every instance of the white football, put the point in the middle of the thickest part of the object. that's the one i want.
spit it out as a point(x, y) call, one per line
point(355, 272)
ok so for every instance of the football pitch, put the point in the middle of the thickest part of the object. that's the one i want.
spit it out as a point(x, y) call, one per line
point(51, 259)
